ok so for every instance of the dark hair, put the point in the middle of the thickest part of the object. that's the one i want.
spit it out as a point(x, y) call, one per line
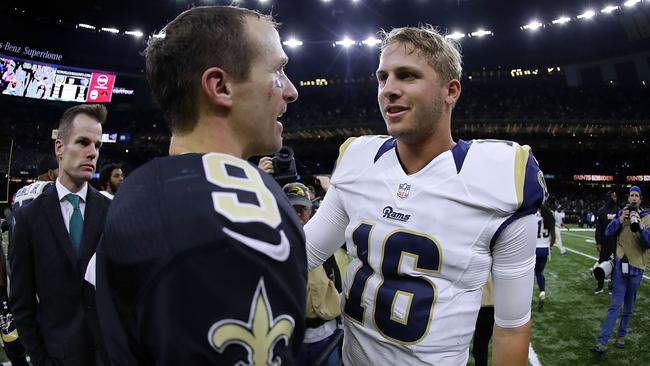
point(96, 111)
point(46, 163)
point(105, 174)
point(549, 221)
point(196, 40)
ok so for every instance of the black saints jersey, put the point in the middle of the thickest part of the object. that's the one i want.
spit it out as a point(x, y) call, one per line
point(202, 262)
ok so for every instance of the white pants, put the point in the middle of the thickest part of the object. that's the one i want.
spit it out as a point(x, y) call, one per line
point(558, 240)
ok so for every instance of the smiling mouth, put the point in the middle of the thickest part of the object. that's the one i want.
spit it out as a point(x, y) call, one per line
point(395, 112)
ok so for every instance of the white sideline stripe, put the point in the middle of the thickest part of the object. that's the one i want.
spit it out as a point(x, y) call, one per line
point(532, 356)
point(577, 229)
point(578, 235)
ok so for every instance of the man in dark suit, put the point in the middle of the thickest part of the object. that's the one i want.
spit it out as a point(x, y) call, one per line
point(54, 237)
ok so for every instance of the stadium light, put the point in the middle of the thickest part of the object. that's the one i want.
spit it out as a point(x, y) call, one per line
point(346, 42)
point(371, 41)
point(631, 3)
point(532, 26)
point(263, 1)
point(482, 33)
point(135, 33)
point(111, 30)
point(455, 35)
point(561, 20)
point(608, 9)
point(587, 14)
point(87, 26)
point(292, 43)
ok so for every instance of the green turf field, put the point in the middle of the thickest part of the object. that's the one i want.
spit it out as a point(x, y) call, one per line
point(572, 315)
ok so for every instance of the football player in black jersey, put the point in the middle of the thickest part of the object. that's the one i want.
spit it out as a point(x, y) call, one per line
point(202, 260)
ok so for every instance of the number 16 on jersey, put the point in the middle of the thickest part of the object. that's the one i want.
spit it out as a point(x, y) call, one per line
point(403, 304)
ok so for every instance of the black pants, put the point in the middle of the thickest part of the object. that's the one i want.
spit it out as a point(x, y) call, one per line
point(482, 335)
point(605, 254)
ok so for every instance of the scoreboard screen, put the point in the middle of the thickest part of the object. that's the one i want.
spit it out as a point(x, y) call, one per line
point(53, 82)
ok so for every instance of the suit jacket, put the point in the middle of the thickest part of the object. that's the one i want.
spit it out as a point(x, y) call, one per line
point(47, 291)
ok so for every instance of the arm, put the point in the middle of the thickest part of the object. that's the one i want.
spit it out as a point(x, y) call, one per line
point(645, 232)
point(512, 272)
point(510, 345)
point(325, 232)
point(23, 293)
point(615, 225)
point(323, 299)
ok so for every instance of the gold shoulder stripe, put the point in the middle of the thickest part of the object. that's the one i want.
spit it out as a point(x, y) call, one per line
point(521, 159)
point(343, 148)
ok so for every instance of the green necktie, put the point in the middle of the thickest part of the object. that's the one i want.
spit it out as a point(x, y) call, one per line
point(76, 221)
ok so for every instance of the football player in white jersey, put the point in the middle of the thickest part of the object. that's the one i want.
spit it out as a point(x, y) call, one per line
point(559, 216)
point(426, 219)
point(47, 170)
point(546, 237)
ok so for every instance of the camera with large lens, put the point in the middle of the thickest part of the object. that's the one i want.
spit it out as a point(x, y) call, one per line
point(284, 166)
point(634, 219)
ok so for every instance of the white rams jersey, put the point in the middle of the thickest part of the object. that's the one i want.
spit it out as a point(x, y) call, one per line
point(29, 193)
point(559, 218)
point(543, 233)
point(422, 244)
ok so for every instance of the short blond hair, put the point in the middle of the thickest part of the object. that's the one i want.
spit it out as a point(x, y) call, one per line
point(441, 53)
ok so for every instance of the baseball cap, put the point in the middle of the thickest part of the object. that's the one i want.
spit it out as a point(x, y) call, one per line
point(47, 162)
point(298, 194)
point(636, 189)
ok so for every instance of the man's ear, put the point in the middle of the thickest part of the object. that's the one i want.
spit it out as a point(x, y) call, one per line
point(453, 92)
point(216, 86)
point(58, 149)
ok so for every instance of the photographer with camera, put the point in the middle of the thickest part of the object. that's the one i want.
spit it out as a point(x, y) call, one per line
point(606, 245)
point(631, 226)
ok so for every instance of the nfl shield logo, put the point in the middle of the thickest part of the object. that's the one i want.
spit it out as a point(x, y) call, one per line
point(403, 190)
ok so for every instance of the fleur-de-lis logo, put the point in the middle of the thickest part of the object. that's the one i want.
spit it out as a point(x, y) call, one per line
point(258, 336)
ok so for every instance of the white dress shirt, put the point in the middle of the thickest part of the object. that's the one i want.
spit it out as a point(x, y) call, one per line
point(66, 206)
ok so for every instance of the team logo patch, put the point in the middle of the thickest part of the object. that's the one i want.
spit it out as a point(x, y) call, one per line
point(403, 190)
point(389, 213)
point(258, 336)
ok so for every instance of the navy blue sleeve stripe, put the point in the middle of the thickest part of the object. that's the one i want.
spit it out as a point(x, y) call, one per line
point(534, 196)
point(534, 186)
point(517, 215)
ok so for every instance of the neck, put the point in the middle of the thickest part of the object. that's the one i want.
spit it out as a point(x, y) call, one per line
point(209, 135)
point(72, 185)
point(415, 156)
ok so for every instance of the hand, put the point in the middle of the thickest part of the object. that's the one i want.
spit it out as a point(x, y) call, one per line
point(625, 215)
point(324, 182)
point(266, 164)
point(599, 247)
